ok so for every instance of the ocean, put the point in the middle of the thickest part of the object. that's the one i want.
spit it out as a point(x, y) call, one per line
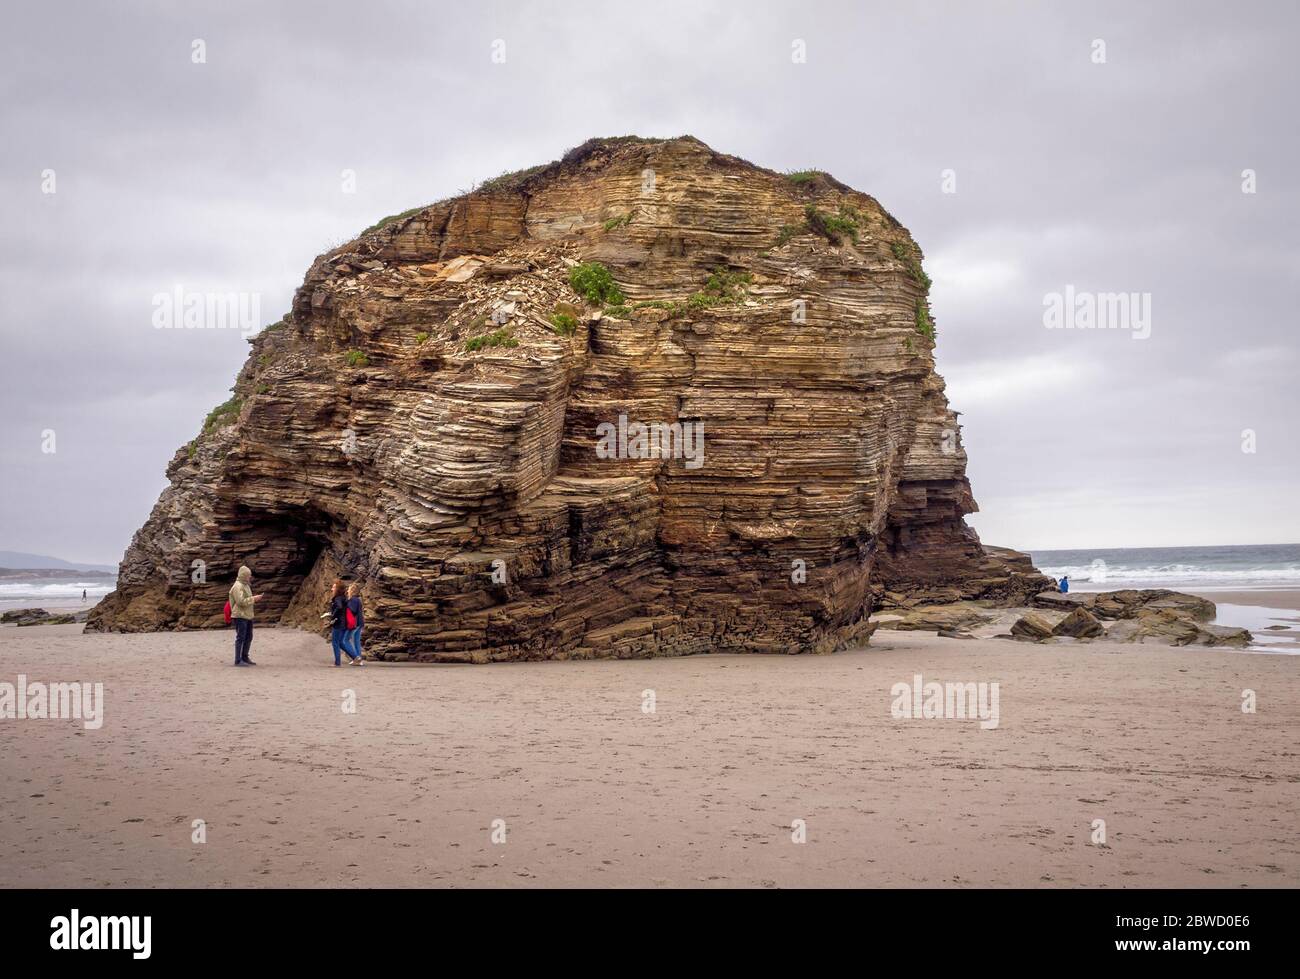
point(1228, 568)
point(1240, 567)
point(60, 593)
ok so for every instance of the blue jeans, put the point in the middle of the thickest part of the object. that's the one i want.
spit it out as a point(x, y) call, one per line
point(352, 642)
point(243, 638)
point(339, 641)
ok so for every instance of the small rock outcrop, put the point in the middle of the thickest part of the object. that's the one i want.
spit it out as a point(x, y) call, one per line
point(1146, 615)
point(1170, 626)
point(647, 400)
point(1079, 624)
point(1128, 602)
point(38, 616)
point(1031, 628)
point(935, 618)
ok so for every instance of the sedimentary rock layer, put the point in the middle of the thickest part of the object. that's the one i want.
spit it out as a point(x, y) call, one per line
point(428, 420)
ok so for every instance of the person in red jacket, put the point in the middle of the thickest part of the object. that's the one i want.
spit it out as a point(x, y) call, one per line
point(355, 621)
point(338, 621)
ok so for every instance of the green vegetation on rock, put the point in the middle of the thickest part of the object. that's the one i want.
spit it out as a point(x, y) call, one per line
point(512, 178)
point(908, 257)
point(723, 288)
point(924, 325)
point(564, 323)
point(357, 358)
point(223, 414)
point(592, 281)
point(833, 227)
point(385, 222)
point(498, 338)
point(670, 306)
point(789, 231)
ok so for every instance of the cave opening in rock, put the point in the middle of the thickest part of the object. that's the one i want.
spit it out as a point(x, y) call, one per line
point(291, 555)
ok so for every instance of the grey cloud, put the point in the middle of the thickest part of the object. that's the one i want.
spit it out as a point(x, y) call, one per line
point(1123, 176)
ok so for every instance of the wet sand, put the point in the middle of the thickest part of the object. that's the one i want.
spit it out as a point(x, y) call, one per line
point(702, 792)
point(1273, 598)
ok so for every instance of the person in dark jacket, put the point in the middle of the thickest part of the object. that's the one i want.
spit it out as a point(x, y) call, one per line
point(338, 622)
point(353, 638)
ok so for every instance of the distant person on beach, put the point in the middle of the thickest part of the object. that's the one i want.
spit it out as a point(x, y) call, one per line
point(1065, 583)
point(83, 594)
point(241, 613)
point(338, 616)
point(355, 621)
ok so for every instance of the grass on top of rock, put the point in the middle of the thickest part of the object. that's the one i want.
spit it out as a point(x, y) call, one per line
point(223, 414)
point(511, 178)
point(385, 222)
point(357, 358)
point(618, 222)
point(802, 176)
point(834, 227)
point(565, 324)
point(924, 325)
point(619, 312)
point(592, 281)
point(498, 338)
point(908, 257)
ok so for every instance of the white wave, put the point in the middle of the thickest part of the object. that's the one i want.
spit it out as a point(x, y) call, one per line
point(1169, 575)
point(63, 589)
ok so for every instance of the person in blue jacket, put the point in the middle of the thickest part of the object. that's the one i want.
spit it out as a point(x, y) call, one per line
point(1065, 583)
point(353, 639)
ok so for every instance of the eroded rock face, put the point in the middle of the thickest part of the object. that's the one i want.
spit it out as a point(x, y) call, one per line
point(426, 421)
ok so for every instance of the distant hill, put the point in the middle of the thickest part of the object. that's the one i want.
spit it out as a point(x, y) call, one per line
point(17, 559)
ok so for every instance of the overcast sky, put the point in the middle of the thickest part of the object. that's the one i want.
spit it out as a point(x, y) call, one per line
point(1122, 175)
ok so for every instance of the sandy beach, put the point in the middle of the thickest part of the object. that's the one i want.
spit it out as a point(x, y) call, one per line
point(702, 792)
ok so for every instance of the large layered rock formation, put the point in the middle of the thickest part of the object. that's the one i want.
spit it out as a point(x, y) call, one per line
point(427, 418)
